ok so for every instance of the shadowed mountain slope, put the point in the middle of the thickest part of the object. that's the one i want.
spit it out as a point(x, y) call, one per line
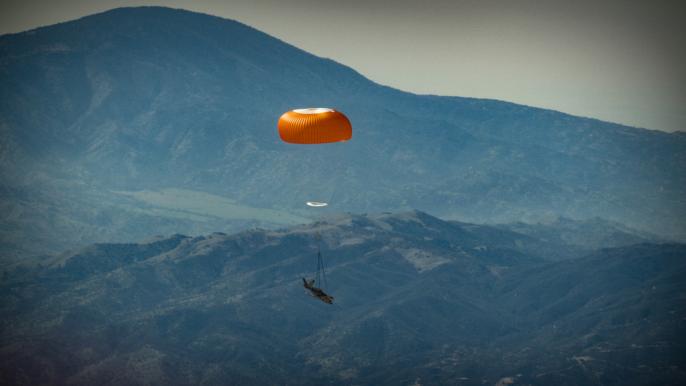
point(154, 98)
point(417, 300)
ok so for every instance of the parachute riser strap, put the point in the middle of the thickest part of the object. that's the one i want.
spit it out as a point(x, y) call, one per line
point(320, 275)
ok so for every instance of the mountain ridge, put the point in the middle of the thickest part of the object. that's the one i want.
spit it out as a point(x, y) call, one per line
point(416, 298)
point(152, 99)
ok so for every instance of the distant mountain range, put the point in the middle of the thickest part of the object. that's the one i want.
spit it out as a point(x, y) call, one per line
point(102, 116)
point(418, 301)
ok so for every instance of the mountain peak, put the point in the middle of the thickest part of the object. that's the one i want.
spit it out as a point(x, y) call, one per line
point(152, 98)
point(132, 16)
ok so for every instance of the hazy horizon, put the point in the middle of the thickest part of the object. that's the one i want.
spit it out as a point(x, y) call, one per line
point(616, 61)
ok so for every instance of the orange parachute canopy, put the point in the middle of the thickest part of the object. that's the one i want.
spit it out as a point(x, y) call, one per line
point(314, 125)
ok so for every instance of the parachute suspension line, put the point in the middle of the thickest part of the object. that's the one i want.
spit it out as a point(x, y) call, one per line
point(337, 181)
point(335, 184)
point(320, 276)
point(333, 192)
